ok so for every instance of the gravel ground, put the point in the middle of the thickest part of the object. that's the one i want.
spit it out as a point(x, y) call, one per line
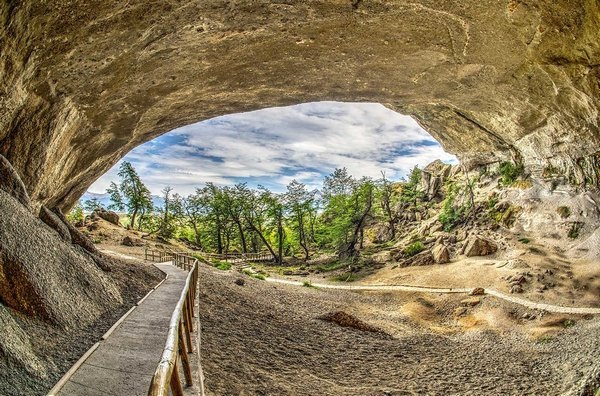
point(265, 339)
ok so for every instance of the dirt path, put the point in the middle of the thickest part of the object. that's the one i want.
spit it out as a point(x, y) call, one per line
point(266, 338)
point(425, 289)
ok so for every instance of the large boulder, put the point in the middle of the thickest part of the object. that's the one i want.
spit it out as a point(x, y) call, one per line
point(420, 259)
point(131, 241)
point(441, 254)
point(107, 215)
point(11, 183)
point(479, 246)
point(55, 281)
point(433, 177)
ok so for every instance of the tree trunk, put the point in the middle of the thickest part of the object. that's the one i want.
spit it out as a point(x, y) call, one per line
point(219, 236)
point(262, 238)
point(302, 236)
point(135, 211)
point(242, 236)
point(280, 239)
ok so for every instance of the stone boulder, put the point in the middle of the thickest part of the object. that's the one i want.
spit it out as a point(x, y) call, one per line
point(479, 246)
point(441, 254)
point(420, 259)
point(107, 215)
point(11, 183)
point(131, 241)
point(382, 257)
point(433, 177)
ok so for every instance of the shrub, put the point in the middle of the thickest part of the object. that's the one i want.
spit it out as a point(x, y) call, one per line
point(449, 215)
point(414, 248)
point(574, 230)
point(76, 214)
point(568, 323)
point(563, 211)
point(345, 277)
point(331, 266)
point(509, 172)
point(222, 265)
point(524, 240)
point(255, 275)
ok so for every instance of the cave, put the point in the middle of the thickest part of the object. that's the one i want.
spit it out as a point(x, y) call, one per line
point(82, 84)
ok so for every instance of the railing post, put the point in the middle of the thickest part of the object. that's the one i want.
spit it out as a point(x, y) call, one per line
point(176, 387)
point(184, 358)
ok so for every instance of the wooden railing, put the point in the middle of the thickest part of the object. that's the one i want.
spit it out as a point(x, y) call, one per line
point(158, 256)
point(237, 257)
point(179, 338)
point(187, 260)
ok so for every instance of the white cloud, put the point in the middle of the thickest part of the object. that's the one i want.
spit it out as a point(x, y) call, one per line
point(274, 146)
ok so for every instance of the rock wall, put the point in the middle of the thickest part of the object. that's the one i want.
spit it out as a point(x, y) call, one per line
point(83, 82)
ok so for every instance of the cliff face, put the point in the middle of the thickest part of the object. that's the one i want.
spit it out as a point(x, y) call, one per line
point(83, 82)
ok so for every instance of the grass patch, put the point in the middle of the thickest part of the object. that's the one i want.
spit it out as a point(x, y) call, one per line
point(414, 248)
point(563, 211)
point(568, 323)
point(545, 339)
point(509, 172)
point(345, 277)
point(331, 266)
point(222, 265)
point(308, 284)
point(255, 275)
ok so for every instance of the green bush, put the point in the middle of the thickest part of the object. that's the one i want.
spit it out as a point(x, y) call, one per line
point(345, 277)
point(524, 240)
point(255, 275)
point(449, 215)
point(574, 230)
point(414, 248)
point(563, 211)
point(222, 265)
point(509, 172)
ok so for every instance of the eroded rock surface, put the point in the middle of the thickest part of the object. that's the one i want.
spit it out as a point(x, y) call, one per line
point(83, 83)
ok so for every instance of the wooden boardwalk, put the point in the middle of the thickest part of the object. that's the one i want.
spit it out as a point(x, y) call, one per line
point(125, 362)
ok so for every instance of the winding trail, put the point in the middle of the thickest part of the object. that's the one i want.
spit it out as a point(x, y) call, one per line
point(426, 289)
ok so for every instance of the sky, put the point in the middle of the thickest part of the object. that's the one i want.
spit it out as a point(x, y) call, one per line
point(272, 147)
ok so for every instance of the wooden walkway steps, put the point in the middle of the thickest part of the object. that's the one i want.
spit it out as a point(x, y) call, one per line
point(125, 362)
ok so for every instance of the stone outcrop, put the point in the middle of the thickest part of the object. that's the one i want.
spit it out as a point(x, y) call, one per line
point(82, 84)
point(11, 183)
point(441, 255)
point(433, 177)
point(107, 215)
point(479, 246)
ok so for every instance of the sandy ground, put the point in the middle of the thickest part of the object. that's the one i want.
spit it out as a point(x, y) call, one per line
point(266, 339)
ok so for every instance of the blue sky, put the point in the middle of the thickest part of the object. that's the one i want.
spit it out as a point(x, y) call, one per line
point(271, 147)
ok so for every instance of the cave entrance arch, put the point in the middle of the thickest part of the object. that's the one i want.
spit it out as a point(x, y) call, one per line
point(83, 86)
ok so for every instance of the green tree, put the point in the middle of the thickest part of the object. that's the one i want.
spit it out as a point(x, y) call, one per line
point(387, 200)
point(116, 198)
point(75, 215)
point(257, 208)
point(136, 195)
point(299, 202)
point(233, 199)
point(92, 204)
